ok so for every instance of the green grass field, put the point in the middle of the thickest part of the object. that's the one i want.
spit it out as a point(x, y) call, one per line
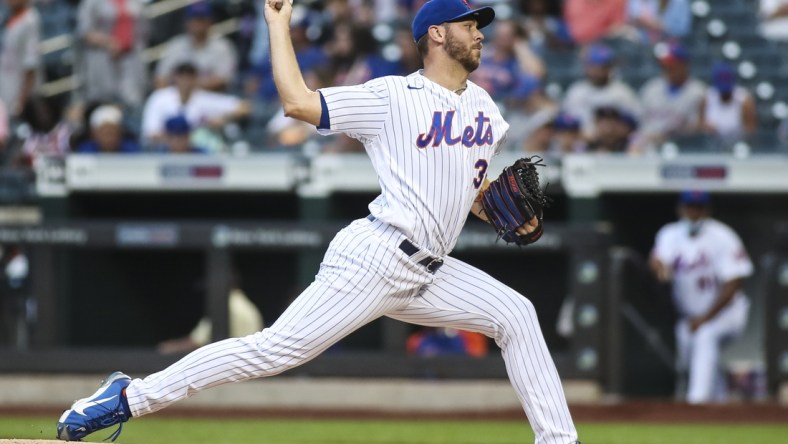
point(248, 431)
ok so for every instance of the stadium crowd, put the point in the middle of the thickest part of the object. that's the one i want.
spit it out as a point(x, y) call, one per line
point(571, 75)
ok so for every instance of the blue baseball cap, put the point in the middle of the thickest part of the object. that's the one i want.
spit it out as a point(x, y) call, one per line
point(723, 77)
point(566, 122)
point(435, 12)
point(630, 119)
point(525, 86)
point(695, 198)
point(599, 54)
point(177, 125)
point(201, 9)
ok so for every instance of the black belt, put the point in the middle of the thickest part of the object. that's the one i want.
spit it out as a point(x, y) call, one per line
point(431, 263)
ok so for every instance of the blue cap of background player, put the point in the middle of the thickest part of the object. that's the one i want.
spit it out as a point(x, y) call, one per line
point(566, 122)
point(201, 9)
point(436, 12)
point(695, 198)
point(526, 85)
point(177, 125)
point(599, 54)
point(723, 77)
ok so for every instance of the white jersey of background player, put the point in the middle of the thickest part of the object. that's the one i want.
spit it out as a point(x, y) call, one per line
point(706, 262)
point(430, 136)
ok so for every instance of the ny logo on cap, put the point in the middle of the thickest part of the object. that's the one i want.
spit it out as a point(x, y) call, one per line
point(467, 4)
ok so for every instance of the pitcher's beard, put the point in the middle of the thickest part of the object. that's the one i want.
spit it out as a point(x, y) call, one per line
point(462, 54)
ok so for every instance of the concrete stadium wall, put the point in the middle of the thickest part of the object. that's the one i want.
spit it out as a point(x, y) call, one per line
point(313, 394)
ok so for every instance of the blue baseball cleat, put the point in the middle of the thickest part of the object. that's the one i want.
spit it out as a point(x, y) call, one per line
point(107, 407)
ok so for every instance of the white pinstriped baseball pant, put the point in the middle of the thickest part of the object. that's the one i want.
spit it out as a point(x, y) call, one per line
point(364, 275)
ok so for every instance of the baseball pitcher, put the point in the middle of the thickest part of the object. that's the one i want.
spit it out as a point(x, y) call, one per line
point(431, 136)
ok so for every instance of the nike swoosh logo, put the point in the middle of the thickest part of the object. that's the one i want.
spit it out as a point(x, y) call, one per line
point(415, 87)
point(81, 409)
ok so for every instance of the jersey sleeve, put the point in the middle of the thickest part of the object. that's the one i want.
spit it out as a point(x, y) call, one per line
point(219, 104)
point(359, 111)
point(663, 247)
point(503, 137)
point(153, 116)
point(732, 260)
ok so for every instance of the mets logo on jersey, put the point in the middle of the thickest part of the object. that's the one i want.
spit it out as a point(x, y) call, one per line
point(441, 132)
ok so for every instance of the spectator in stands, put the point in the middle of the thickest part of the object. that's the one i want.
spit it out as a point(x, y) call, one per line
point(529, 112)
point(544, 25)
point(386, 9)
point(286, 131)
point(539, 141)
point(202, 108)
point(446, 341)
point(613, 130)
point(114, 34)
point(656, 20)
point(671, 102)
point(342, 11)
point(509, 64)
point(567, 138)
point(107, 133)
point(559, 136)
point(258, 53)
point(409, 59)
point(774, 19)
point(20, 58)
point(245, 15)
point(44, 133)
point(215, 57)
point(591, 20)
point(4, 125)
point(309, 56)
point(354, 55)
point(728, 110)
point(178, 137)
point(598, 89)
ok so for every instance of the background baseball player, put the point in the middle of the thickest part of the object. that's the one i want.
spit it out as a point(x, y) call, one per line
point(430, 136)
point(706, 263)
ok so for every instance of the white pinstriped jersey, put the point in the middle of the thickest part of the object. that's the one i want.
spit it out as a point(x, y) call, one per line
point(701, 264)
point(429, 146)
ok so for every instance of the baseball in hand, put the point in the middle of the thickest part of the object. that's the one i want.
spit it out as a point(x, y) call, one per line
point(279, 3)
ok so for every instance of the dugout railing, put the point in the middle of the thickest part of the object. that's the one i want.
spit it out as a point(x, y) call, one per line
point(639, 337)
point(585, 248)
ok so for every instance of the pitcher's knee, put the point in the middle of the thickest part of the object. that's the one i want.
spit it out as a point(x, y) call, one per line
point(517, 319)
point(277, 352)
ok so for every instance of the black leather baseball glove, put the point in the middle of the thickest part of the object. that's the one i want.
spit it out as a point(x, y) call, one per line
point(514, 198)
